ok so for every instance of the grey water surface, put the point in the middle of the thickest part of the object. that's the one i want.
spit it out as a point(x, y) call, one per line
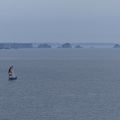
point(60, 84)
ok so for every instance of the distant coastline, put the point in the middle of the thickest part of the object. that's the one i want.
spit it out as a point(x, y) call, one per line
point(58, 45)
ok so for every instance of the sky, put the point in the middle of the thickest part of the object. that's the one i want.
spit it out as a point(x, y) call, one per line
point(60, 21)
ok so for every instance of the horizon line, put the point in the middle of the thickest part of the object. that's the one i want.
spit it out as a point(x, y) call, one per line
point(66, 42)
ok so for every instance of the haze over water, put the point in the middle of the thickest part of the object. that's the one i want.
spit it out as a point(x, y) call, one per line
point(60, 84)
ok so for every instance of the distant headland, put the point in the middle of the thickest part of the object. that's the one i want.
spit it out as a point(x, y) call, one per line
point(58, 45)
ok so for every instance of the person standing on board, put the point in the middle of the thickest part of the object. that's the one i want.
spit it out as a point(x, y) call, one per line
point(10, 72)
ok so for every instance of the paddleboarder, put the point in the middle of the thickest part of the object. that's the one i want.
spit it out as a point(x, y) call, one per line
point(11, 73)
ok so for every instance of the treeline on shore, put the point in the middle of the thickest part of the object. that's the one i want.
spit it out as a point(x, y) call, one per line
point(48, 45)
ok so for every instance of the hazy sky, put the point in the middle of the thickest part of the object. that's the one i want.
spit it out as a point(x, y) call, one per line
point(60, 20)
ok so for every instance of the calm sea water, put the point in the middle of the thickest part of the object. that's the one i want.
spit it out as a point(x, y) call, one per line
point(60, 84)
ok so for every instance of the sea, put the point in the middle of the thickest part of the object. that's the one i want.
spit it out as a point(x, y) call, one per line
point(60, 84)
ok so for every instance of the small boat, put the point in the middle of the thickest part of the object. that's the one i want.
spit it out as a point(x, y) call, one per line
point(13, 78)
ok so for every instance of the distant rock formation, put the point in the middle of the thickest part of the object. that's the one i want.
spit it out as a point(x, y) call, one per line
point(44, 45)
point(78, 46)
point(66, 45)
point(116, 46)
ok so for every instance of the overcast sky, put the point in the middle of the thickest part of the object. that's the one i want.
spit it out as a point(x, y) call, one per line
point(59, 20)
